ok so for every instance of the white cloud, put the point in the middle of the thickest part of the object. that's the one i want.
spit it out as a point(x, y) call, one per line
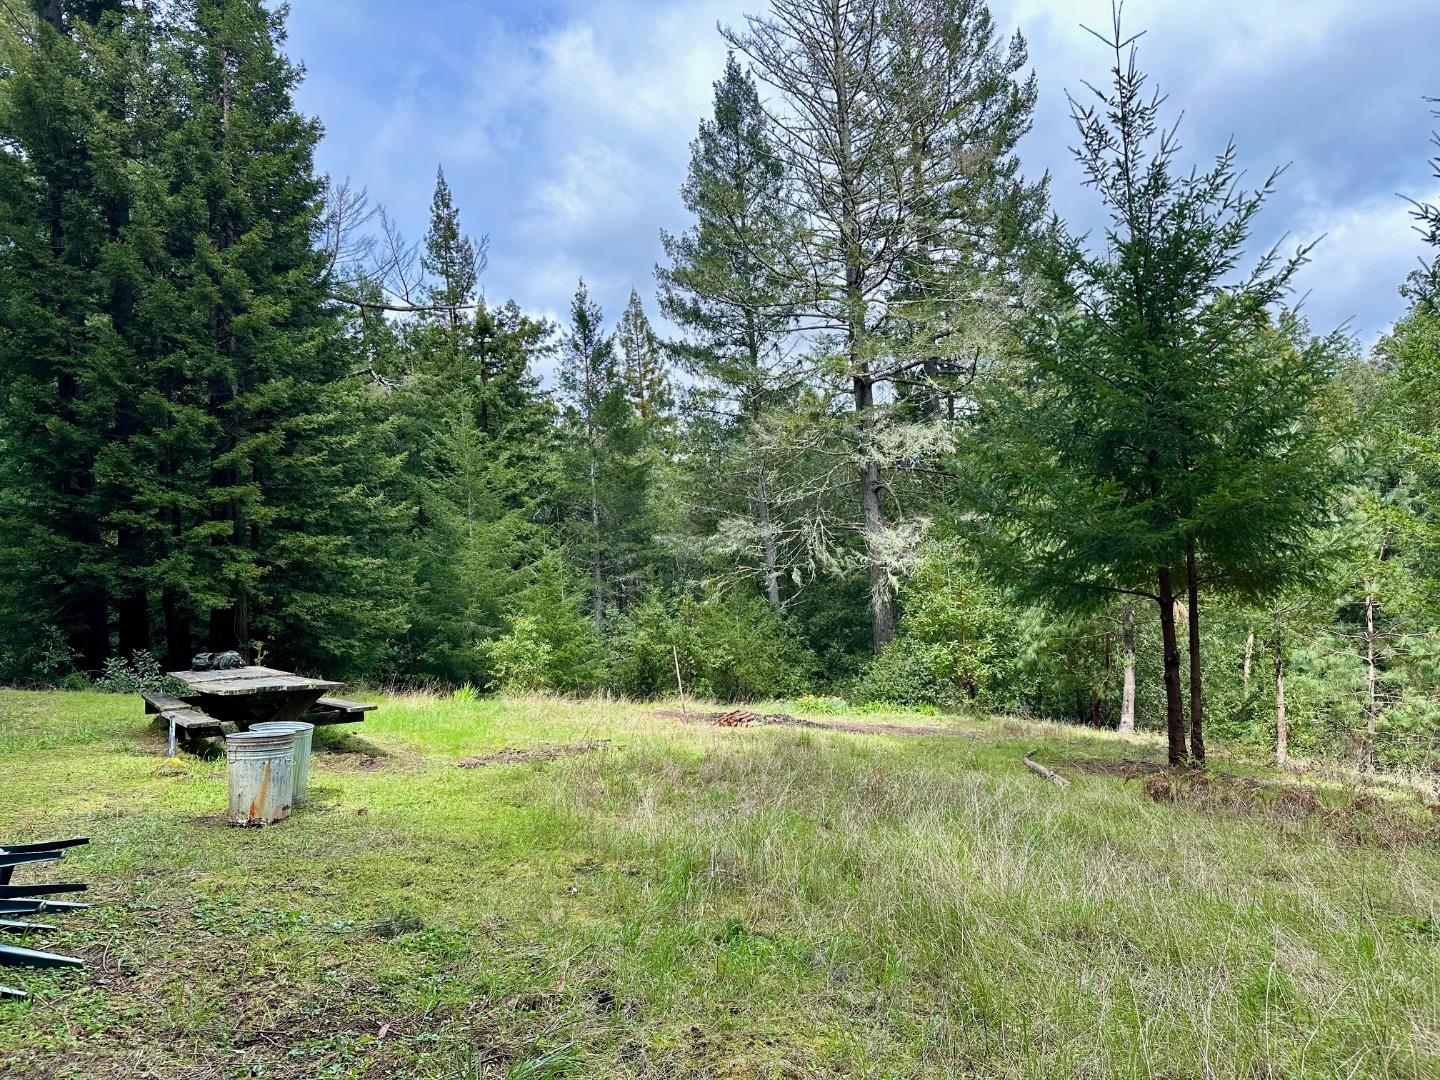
point(592, 182)
point(565, 126)
point(1367, 250)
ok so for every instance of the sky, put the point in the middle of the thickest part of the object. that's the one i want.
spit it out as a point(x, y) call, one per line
point(564, 126)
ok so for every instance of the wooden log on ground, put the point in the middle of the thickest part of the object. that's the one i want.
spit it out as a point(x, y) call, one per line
point(1049, 774)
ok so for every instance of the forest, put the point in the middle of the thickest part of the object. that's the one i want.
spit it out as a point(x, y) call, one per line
point(894, 433)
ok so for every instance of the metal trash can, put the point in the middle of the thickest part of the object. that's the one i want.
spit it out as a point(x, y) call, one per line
point(304, 736)
point(262, 776)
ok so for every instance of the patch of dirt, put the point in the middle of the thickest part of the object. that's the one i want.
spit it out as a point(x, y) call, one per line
point(745, 718)
point(1362, 820)
point(1120, 768)
point(511, 755)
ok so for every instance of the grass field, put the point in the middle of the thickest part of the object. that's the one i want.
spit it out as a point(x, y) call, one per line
point(696, 901)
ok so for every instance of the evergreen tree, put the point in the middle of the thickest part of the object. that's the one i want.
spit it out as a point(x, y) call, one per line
point(251, 318)
point(1163, 426)
point(605, 470)
point(737, 313)
point(896, 124)
point(64, 203)
point(644, 366)
point(454, 261)
point(477, 435)
point(1423, 286)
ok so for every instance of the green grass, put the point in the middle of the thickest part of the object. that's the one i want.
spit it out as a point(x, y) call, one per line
point(695, 901)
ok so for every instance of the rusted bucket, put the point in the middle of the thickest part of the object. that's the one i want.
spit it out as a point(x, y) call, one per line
point(304, 734)
point(262, 776)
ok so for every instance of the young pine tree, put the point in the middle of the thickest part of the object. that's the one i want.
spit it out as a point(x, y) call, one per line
point(477, 437)
point(737, 314)
point(644, 367)
point(604, 464)
point(1165, 430)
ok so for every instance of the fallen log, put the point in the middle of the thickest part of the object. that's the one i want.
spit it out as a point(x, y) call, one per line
point(1049, 774)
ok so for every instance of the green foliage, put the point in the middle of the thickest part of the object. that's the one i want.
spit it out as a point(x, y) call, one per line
point(238, 409)
point(605, 464)
point(137, 674)
point(958, 646)
point(550, 644)
point(732, 647)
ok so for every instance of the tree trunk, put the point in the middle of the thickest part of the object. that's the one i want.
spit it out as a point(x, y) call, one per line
point(132, 611)
point(1282, 724)
point(178, 647)
point(882, 604)
point(1372, 680)
point(1197, 691)
point(1249, 655)
point(230, 625)
point(772, 573)
point(53, 12)
point(1174, 708)
point(1127, 700)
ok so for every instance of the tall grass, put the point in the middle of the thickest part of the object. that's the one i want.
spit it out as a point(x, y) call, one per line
point(697, 901)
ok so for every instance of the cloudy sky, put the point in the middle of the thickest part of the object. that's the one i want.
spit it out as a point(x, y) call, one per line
point(563, 125)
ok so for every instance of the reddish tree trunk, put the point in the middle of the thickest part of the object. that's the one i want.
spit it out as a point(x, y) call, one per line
point(1174, 709)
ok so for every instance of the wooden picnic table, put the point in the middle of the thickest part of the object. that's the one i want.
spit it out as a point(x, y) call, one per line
point(219, 701)
point(252, 695)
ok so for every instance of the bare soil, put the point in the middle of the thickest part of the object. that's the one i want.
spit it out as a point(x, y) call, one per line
point(744, 718)
point(512, 755)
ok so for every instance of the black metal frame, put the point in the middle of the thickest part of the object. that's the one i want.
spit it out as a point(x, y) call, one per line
point(25, 900)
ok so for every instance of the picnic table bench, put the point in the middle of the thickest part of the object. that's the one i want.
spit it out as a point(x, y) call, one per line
point(218, 703)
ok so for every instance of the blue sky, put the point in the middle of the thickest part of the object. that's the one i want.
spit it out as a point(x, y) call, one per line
point(564, 126)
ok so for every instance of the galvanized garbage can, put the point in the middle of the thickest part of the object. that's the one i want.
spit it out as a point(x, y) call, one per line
point(304, 735)
point(262, 776)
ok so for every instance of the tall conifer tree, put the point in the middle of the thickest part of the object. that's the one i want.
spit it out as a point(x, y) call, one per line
point(896, 122)
point(1164, 430)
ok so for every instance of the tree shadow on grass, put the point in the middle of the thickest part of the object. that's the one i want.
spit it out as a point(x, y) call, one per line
point(330, 741)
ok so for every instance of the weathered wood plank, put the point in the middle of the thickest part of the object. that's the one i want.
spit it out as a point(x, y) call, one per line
point(189, 719)
point(157, 702)
point(238, 682)
point(341, 705)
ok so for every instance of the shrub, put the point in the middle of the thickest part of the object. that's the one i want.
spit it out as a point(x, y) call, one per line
point(44, 659)
point(959, 644)
point(137, 674)
point(733, 647)
point(550, 645)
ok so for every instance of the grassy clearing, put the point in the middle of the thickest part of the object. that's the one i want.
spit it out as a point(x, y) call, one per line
point(710, 902)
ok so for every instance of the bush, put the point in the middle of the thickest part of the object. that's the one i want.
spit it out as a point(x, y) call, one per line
point(959, 643)
point(139, 673)
point(732, 647)
point(550, 645)
point(911, 672)
point(44, 659)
